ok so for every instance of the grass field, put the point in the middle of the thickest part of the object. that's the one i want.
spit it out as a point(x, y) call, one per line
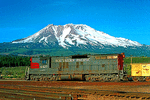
point(13, 72)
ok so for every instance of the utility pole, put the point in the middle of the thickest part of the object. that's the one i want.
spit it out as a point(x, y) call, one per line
point(131, 59)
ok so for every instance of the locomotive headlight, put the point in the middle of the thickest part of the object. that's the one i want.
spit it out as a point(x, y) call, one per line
point(123, 55)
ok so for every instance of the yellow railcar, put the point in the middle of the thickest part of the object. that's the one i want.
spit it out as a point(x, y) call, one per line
point(140, 71)
point(145, 69)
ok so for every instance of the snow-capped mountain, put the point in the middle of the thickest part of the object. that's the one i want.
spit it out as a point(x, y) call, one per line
point(71, 35)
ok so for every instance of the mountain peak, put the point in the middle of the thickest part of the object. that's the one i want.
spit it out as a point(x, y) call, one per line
point(79, 35)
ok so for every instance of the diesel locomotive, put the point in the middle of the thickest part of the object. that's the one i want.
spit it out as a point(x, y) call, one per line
point(97, 67)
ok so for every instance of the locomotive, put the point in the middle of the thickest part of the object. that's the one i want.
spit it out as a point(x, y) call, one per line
point(96, 67)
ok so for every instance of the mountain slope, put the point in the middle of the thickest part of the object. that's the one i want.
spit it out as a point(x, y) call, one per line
point(80, 36)
point(70, 39)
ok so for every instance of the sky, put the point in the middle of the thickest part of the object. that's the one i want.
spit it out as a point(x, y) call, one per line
point(129, 19)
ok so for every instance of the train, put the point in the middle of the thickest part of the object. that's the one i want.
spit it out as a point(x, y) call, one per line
point(96, 67)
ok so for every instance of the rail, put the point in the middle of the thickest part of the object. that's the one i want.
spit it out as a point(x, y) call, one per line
point(45, 93)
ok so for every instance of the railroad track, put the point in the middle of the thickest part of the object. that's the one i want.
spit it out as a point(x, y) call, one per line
point(57, 93)
point(32, 95)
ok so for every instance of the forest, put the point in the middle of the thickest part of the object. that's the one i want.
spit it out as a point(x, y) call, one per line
point(14, 61)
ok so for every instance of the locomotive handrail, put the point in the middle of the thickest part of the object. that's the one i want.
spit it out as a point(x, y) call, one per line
point(26, 71)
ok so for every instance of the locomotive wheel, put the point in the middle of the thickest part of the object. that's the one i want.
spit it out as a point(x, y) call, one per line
point(54, 78)
point(125, 78)
point(48, 79)
point(44, 79)
point(87, 79)
point(40, 79)
point(135, 79)
point(114, 78)
point(100, 79)
point(106, 79)
point(92, 80)
point(147, 79)
point(32, 78)
point(141, 79)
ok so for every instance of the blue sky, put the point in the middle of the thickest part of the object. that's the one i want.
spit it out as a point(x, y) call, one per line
point(119, 18)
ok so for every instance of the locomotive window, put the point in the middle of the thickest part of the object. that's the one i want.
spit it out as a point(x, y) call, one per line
point(44, 61)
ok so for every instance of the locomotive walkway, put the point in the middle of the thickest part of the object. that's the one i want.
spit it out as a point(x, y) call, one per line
point(74, 90)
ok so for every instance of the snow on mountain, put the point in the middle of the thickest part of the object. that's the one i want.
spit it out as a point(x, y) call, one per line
point(74, 35)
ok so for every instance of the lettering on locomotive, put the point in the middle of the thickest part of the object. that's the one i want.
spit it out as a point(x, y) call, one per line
point(72, 60)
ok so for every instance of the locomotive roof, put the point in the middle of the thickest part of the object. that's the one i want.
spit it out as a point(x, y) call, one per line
point(84, 56)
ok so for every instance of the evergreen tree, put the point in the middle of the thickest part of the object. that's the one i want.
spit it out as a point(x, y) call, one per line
point(14, 61)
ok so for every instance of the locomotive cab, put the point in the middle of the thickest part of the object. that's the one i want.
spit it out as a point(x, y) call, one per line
point(40, 62)
point(45, 62)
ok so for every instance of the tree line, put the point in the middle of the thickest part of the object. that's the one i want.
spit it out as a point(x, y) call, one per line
point(127, 60)
point(14, 61)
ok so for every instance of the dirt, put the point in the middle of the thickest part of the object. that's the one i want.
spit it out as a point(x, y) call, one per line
point(120, 87)
point(113, 86)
